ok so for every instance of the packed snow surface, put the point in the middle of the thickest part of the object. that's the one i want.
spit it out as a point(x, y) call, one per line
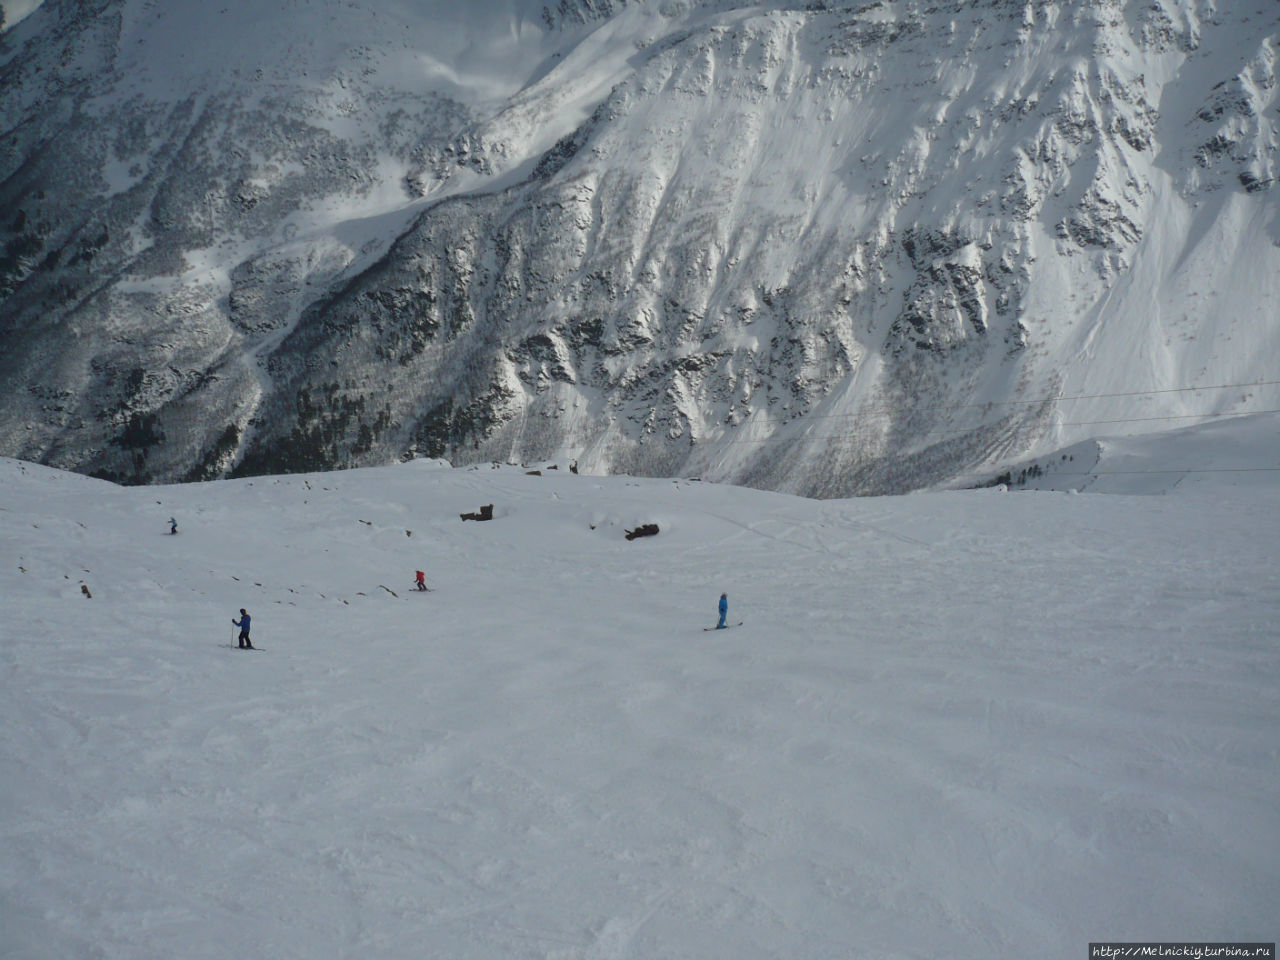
point(962, 724)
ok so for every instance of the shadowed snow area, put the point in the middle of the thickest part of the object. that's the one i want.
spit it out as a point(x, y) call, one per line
point(966, 724)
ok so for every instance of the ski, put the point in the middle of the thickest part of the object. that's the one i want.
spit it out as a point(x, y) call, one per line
point(232, 646)
point(727, 626)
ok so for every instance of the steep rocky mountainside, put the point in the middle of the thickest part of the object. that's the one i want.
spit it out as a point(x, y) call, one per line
point(823, 247)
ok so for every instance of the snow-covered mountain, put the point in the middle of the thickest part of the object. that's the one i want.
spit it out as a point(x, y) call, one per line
point(965, 724)
point(821, 247)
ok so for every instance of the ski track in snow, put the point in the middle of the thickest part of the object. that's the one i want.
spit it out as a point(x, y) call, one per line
point(961, 724)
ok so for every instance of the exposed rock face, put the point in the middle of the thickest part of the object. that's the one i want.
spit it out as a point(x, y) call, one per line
point(831, 248)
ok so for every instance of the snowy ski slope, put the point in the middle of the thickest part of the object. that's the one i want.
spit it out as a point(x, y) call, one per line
point(963, 724)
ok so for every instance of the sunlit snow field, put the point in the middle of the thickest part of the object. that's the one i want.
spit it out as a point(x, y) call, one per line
point(958, 724)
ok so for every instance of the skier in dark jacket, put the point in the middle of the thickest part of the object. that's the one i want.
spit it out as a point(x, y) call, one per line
point(724, 610)
point(243, 624)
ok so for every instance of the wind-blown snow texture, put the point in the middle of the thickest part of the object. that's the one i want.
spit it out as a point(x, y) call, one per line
point(825, 248)
point(970, 724)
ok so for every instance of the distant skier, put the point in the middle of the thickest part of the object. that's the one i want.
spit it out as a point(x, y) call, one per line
point(724, 610)
point(243, 624)
point(173, 525)
point(421, 581)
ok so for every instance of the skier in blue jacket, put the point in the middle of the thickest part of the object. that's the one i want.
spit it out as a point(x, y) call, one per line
point(243, 624)
point(724, 610)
